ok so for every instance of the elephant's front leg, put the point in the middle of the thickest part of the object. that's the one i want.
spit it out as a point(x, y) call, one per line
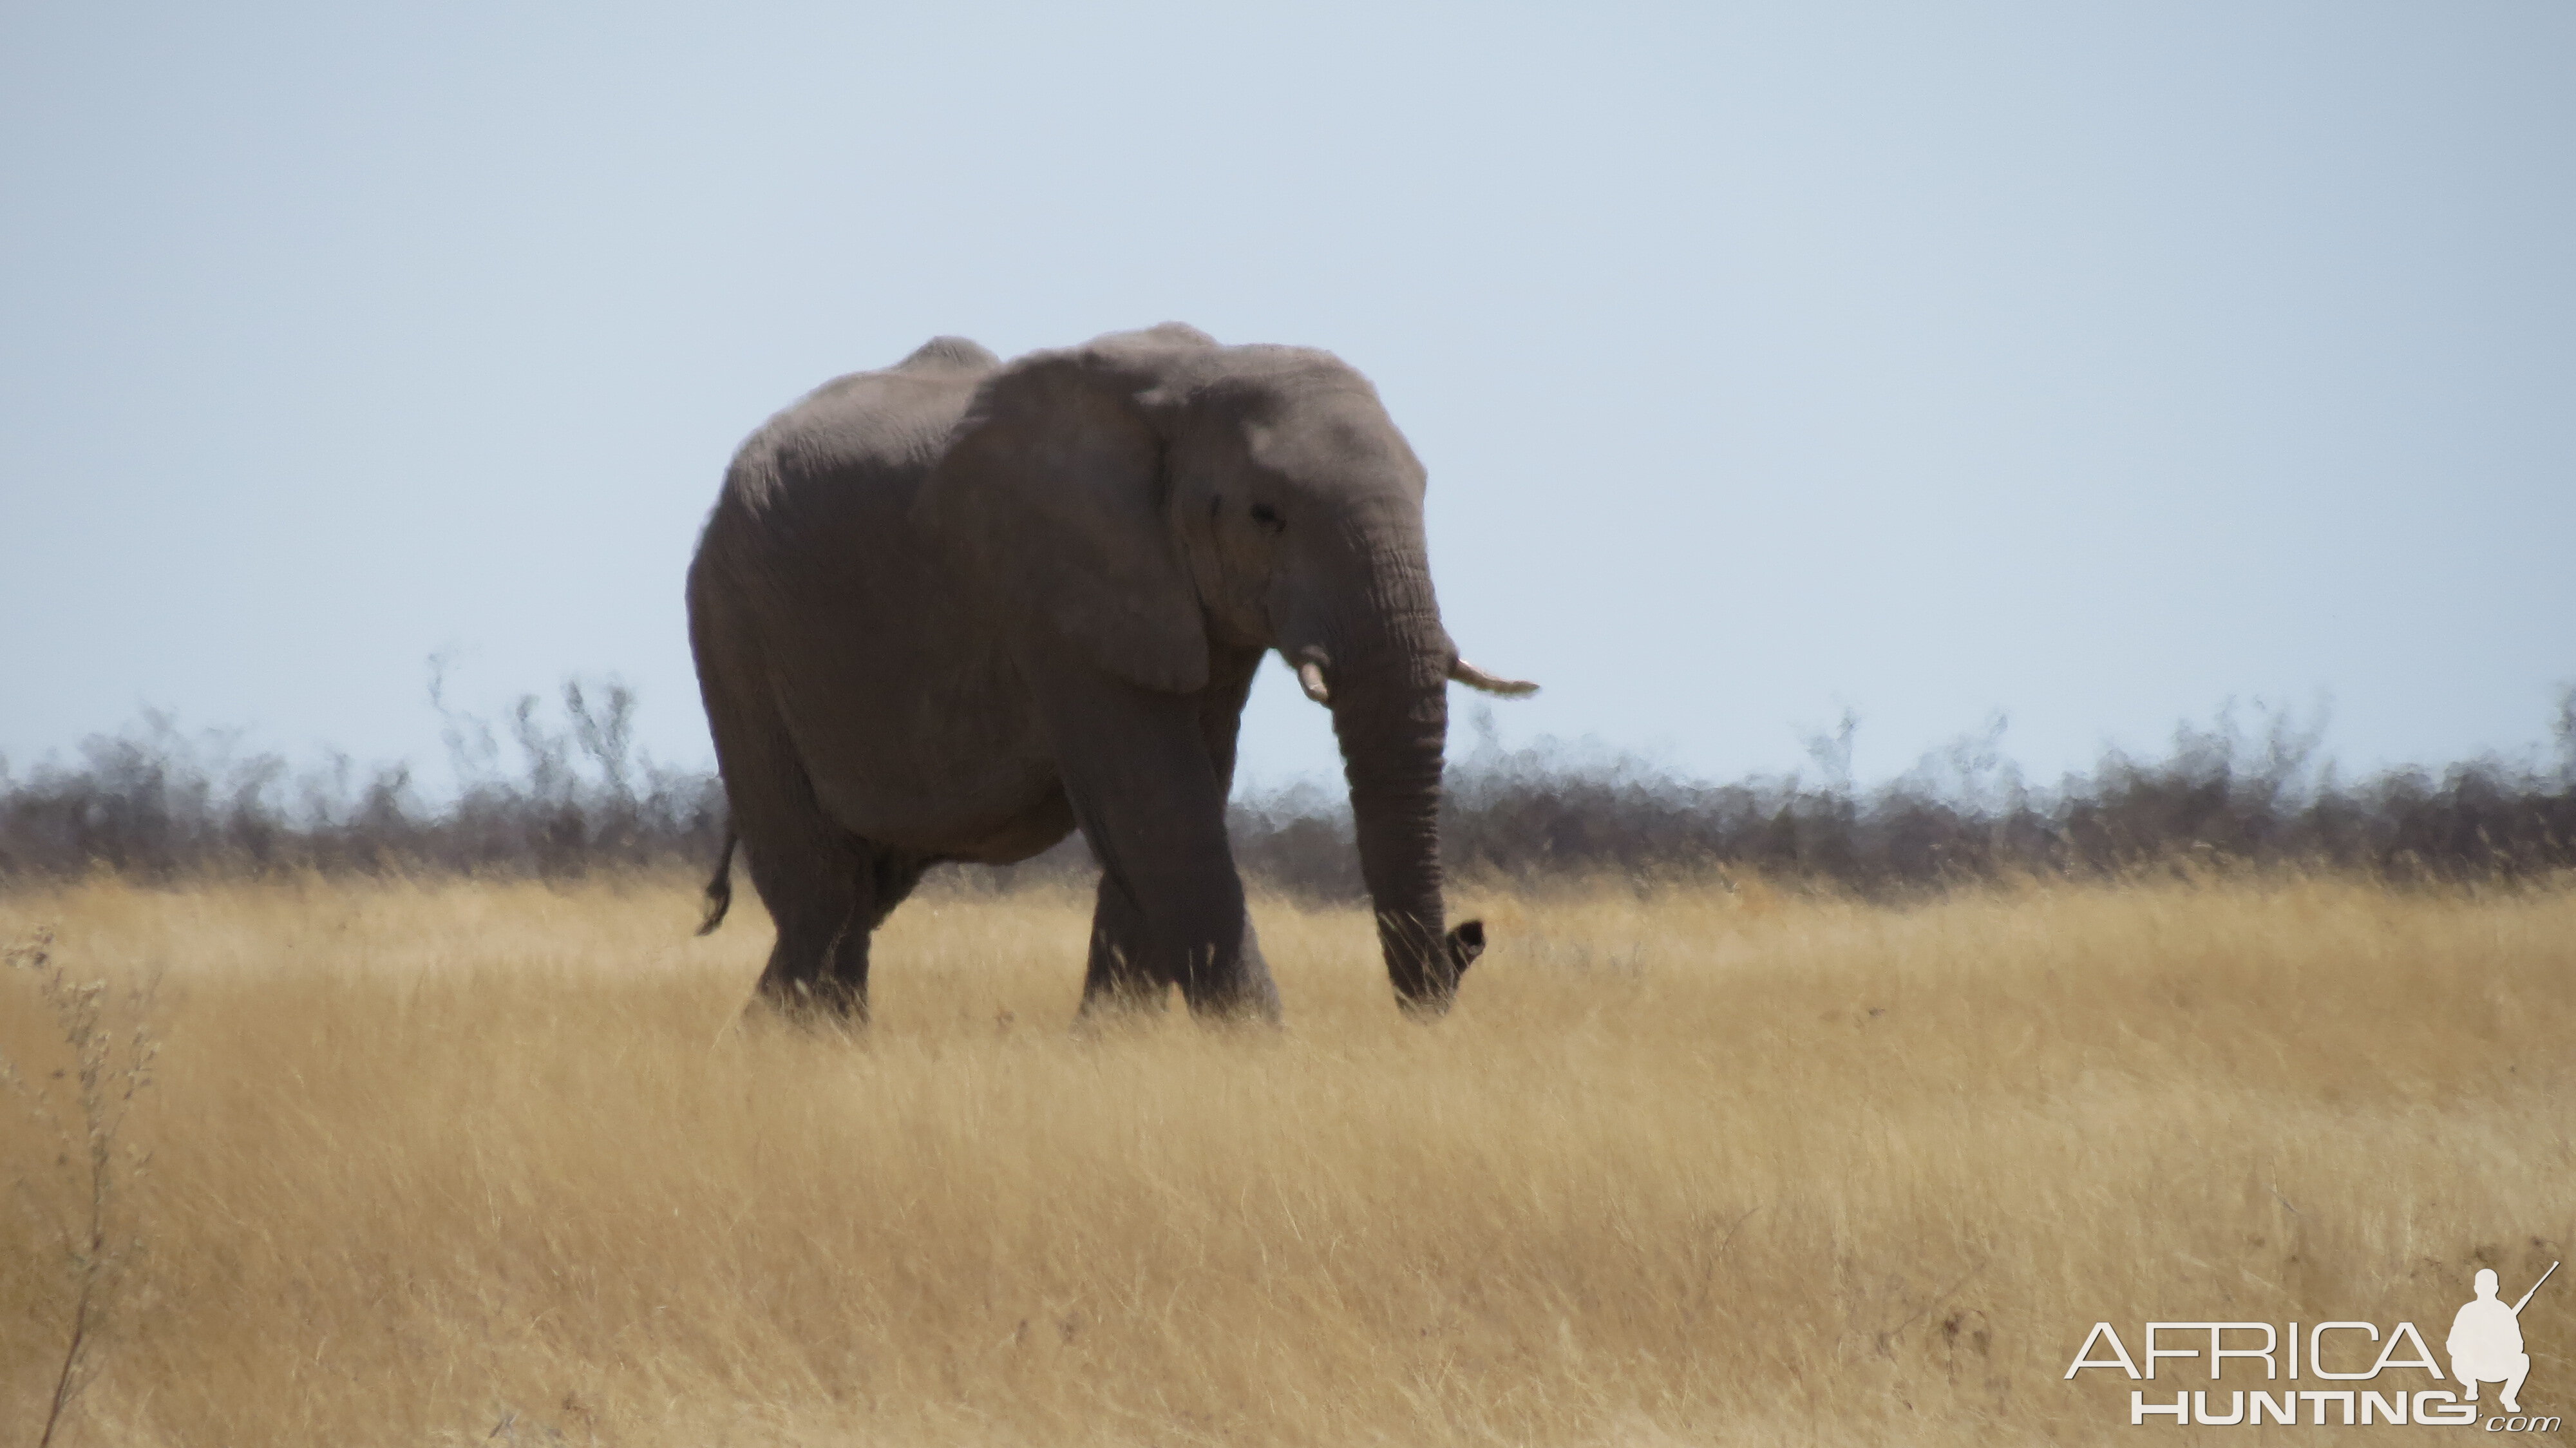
point(1135, 765)
point(1121, 974)
point(1118, 975)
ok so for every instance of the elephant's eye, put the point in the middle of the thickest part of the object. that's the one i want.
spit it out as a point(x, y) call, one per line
point(1269, 519)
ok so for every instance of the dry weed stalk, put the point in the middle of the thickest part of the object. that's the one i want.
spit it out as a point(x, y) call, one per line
point(107, 1070)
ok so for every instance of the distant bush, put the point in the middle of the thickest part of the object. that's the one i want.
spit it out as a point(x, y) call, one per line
point(574, 797)
point(1964, 814)
point(155, 802)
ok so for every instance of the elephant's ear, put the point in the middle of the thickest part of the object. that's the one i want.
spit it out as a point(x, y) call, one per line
point(1050, 498)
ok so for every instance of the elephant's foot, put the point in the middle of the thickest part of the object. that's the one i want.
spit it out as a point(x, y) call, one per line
point(1236, 990)
point(1252, 1001)
point(1125, 999)
point(1129, 1008)
point(811, 1003)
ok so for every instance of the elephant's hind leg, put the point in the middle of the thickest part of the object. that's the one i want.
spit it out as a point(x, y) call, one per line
point(821, 902)
point(820, 882)
point(891, 876)
point(837, 897)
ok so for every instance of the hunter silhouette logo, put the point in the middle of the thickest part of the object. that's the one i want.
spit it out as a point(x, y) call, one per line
point(2486, 1341)
point(2485, 1346)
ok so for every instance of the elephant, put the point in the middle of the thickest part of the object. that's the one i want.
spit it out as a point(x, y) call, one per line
point(955, 609)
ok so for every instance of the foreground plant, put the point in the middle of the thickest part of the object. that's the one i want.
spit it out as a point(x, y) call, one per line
point(106, 1070)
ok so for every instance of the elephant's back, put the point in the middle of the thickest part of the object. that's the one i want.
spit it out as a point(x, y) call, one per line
point(814, 519)
point(868, 431)
point(813, 595)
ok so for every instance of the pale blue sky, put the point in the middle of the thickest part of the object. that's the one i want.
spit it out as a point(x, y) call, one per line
point(2091, 364)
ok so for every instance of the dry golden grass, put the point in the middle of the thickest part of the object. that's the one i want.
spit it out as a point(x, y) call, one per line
point(449, 1163)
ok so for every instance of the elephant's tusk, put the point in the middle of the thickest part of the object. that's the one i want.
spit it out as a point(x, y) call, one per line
point(1476, 678)
point(1310, 677)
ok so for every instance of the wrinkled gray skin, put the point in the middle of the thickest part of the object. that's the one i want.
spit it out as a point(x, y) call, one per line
point(950, 610)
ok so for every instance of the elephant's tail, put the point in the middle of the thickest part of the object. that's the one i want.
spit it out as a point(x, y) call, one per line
point(720, 889)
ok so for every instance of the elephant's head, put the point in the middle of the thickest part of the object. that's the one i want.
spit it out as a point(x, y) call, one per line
point(1153, 497)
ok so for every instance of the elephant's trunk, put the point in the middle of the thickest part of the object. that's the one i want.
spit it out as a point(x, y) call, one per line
point(1390, 707)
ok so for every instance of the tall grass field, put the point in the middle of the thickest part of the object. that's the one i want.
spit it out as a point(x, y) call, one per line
point(457, 1163)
